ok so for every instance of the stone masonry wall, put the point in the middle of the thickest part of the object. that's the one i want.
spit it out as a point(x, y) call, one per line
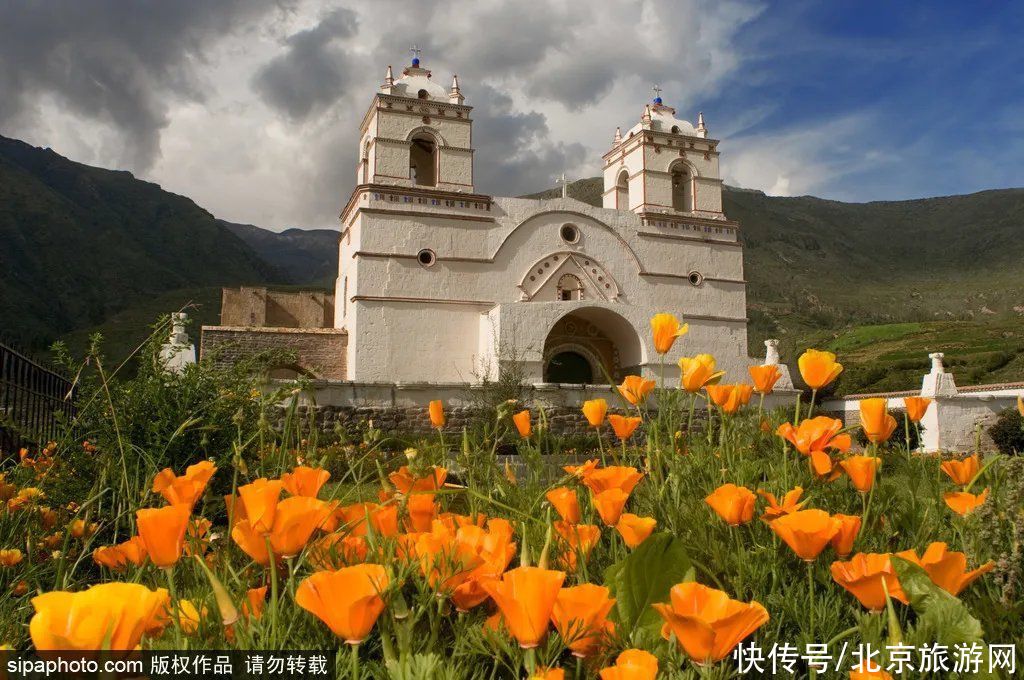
point(319, 352)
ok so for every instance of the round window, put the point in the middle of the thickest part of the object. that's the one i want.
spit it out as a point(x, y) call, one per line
point(695, 278)
point(569, 233)
point(426, 257)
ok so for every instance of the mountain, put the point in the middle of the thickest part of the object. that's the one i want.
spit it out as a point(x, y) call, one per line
point(82, 243)
point(306, 256)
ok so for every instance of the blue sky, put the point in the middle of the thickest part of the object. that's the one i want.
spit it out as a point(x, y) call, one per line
point(932, 93)
point(252, 107)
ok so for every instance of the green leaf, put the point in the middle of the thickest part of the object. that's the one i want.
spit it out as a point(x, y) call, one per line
point(644, 578)
point(940, 616)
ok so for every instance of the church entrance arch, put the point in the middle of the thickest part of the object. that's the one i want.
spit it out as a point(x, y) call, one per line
point(589, 345)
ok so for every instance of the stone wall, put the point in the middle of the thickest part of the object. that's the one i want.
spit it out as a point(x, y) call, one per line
point(318, 352)
point(402, 407)
point(263, 307)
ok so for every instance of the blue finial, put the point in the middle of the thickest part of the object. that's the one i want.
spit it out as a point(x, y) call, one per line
point(415, 55)
point(657, 94)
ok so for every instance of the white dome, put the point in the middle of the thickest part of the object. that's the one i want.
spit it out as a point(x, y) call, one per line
point(410, 85)
point(663, 119)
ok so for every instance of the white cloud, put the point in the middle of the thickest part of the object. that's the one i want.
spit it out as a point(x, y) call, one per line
point(258, 123)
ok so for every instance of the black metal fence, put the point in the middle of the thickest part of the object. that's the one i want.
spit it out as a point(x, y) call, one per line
point(31, 398)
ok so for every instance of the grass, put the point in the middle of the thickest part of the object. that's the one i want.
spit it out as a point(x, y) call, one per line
point(136, 426)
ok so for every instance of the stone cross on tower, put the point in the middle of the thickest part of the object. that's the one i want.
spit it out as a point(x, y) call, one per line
point(565, 185)
point(657, 94)
point(415, 55)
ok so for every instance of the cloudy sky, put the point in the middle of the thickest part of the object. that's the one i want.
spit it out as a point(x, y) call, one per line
point(251, 107)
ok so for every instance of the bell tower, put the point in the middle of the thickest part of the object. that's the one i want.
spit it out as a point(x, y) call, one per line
point(416, 133)
point(664, 165)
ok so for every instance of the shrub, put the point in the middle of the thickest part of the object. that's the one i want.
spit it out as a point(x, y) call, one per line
point(1008, 432)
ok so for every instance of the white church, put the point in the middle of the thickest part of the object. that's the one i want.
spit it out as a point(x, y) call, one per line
point(439, 283)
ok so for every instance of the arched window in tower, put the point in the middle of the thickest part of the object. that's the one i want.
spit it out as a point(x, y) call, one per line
point(682, 188)
point(622, 191)
point(366, 162)
point(423, 160)
point(570, 288)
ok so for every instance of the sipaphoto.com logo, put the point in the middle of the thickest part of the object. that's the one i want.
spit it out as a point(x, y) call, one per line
point(70, 664)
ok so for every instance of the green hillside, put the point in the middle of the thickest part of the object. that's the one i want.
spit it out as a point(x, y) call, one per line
point(81, 244)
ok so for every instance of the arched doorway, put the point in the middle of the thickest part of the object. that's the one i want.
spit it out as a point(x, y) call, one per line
point(591, 345)
point(569, 366)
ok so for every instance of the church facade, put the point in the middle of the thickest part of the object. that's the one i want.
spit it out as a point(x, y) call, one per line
point(438, 282)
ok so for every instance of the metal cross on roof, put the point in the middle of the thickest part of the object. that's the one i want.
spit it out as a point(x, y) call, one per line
point(657, 94)
point(415, 52)
point(565, 185)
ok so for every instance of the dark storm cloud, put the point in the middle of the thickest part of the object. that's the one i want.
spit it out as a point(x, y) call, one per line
point(520, 156)
point(313, 71)
point(112, 61)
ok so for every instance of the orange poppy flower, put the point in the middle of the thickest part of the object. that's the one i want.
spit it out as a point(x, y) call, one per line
point(359, 518)
point(336, 550)
point(111, 616)
point(235, 509)
point(635, 389)
point(295, 521)
point(864, 575)
point(255, 600)
point(964, 471)
point(947, 569)
point(764, 377)
point(964, 503)
point(580, 616)
point(1020, 406)
point(706, 623)
point(875, 420)
point(609, 505)
point(522, 423)
point(185, 489)
point(818, 368)
point(188, 615)
point(916, 407)
point(734, 504)
point(495, 548)
point(575, 542)
point(665, 328)
point(861, 471)
point(729, 398)
point(849, 527)
point(790, 503)
point(869, 670)
point(635, 530)
point(807, 532)
point(260, 501)
point(253, 543)
point(816, 434)
point(116, 557)
point(422, 511)
point(624, 426)
point(305, 481)
point(698, 371)
point(564, 500)
point(406, 482)
point(347, 600)
point(526, 597)
point(548, 674)
point(162, 530)
point(612, 477)
point(436, 411)
point(594, 410)
point(582, 471)
point(823, 467)
point(9, 557)
point(445, 561)
point(632, 664)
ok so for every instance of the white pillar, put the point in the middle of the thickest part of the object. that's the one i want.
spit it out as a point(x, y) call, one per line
point(178, 352)
point(771, 358)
